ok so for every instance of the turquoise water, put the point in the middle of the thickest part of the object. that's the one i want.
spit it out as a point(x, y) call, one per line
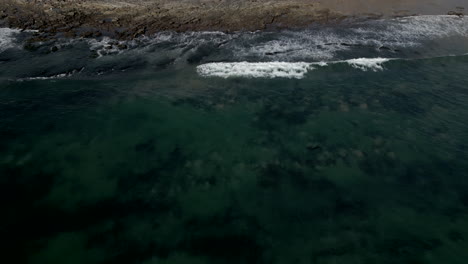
point(129, 155)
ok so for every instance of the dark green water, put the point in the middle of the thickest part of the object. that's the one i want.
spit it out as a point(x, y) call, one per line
point(135, 158)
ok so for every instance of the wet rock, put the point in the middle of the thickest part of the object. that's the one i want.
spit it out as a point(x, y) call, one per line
point(139, 32)
point(155, 16)
point(94, 55)
point(30, 46)
point(122, 46)
point(87, 34)
point(455, 13)
point(70, 34)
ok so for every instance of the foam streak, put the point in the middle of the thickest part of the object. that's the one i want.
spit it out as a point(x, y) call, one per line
point(255, 69)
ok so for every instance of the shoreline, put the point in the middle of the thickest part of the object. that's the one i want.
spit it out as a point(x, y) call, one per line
point(133, 18)
point(127, 20)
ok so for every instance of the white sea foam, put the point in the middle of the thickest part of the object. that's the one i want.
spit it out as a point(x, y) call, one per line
point(325, 43)
point(365, 64)
point(281, 69)
point(291, 45)
point(432, 26)
point(105, 46)
point(320, 63)
point(411, 31)
point(7, 38)
point(255, 69)
point(52, 77)
point(58, 76)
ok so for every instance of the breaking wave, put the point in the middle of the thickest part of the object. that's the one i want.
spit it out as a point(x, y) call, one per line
point(7, 37)
point(277, 69)
point(364, 46)
point(365, 64)
point(255, 69)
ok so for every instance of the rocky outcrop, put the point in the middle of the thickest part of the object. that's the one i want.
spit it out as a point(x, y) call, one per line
point(127, 19)
point(131, 18)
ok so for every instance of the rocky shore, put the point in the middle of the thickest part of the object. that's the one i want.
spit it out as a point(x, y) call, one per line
point(131, 18)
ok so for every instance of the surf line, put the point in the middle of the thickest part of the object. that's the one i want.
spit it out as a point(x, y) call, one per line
point(276, 69)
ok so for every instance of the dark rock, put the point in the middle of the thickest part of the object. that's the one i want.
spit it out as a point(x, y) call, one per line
point(455, 13)
point(384, 48)
point(70, 34)
point(30, 46)
point(87, 34)
point(139, 32)
point(122, 46)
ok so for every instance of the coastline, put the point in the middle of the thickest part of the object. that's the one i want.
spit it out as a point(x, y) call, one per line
point(127, 20)
point(132, 18)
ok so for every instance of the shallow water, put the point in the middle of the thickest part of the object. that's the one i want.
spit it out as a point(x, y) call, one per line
point(139, 155)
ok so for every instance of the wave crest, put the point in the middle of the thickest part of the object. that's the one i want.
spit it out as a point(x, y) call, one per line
point(255, 69)
point(278, 69)
point(374, 64)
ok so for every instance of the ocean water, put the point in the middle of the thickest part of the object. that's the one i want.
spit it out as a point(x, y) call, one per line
point(333, 144)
